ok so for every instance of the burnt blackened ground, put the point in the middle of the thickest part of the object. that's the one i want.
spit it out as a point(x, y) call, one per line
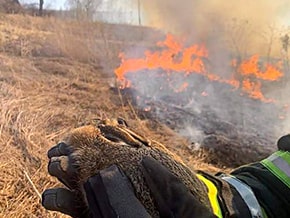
point(223, 122)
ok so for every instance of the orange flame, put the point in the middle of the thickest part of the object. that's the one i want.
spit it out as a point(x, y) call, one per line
point(250, 67)
point(165, 59)
point(172, 56)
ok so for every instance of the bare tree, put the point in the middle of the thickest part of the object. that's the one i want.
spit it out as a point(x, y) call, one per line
point(269, 35)
point(285, 42)
point(84, 9)
point(139, 12)
point(285, 46)
point(40, 12)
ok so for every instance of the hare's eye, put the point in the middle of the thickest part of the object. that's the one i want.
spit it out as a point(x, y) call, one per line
point(122, 121)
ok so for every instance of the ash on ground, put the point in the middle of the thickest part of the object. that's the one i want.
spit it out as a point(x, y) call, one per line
point(223, 123)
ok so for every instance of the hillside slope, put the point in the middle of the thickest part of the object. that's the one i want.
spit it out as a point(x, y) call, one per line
point(56, 75)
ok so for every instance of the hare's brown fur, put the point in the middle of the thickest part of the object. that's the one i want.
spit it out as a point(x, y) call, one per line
point(95, 147)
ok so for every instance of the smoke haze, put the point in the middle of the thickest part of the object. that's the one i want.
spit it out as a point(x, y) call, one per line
point(245, 21)
point(185, 15)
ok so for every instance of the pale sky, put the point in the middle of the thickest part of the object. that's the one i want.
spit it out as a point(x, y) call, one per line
point(114, 11)
point(58, 4)
point(55, 4)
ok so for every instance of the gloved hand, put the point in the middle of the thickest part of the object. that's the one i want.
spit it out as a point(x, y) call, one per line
point(172, 197)
point(284, 143)
point(107, 194)
point(68, 200)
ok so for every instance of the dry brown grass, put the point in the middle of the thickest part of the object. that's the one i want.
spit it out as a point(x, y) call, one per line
point(51, 81)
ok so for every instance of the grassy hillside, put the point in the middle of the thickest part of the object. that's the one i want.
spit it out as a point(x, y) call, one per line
point(56, 75)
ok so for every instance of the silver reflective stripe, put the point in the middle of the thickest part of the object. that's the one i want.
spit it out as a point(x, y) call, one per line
point(283, 165)
point(280, 163)
point(247, 194)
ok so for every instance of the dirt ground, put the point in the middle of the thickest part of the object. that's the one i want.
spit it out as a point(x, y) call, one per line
point(54, 76)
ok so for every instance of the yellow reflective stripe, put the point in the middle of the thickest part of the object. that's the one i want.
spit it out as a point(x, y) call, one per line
point(212, 195)
point(264, 213)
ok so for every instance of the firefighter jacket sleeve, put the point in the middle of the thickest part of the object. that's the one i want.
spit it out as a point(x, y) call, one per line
point(273, 195)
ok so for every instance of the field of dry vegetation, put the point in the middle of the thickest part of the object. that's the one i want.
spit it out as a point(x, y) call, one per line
point(56, 75)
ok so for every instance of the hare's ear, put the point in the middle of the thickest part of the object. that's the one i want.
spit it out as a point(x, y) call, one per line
point(284, 143)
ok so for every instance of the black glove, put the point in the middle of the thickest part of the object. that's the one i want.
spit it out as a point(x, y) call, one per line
point(65, 200)
point(284, 143)
point(172, 197)
point(110, 194)
point(107, 194)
